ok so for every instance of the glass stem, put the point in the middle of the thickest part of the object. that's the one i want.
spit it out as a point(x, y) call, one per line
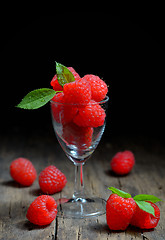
point(79, 181)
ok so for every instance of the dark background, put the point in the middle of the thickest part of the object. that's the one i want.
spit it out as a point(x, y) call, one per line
point(125, 50)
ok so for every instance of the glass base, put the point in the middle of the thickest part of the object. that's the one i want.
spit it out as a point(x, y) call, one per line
point(81, 207)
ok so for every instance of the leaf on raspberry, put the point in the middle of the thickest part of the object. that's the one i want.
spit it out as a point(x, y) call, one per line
point(120, 192)
point(37, 98)
point(146, 206)
point(64, 75)
point(146, 197)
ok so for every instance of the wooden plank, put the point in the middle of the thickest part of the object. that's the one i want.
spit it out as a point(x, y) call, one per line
point(146, 177)
point(97, 179)
point(14, 199)
point(14, 203)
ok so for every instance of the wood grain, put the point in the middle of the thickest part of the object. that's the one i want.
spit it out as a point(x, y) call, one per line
point(146, 177)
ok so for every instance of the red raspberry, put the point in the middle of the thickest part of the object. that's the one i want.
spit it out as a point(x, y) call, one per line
point(123, 162)
point(58, 97)
point(54, 83)
point(99, 88)
point(78, 92)
point(56, 86)
point(92, 115)
point(119, 212)
point(52, 180)
point(145, 220)
point(75, 74)
point(42, 211)
point(78, 136)
point(23, 171)
point(62, 113)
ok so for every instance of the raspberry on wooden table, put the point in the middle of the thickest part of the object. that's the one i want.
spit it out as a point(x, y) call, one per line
point(42, 211)
point(139, 211)
point(23, 171)
point(119, 212)
point(146, 220)
point(52, 180)
point(123, 162)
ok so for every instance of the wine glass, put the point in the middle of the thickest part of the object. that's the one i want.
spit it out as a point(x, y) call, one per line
point(78, 144)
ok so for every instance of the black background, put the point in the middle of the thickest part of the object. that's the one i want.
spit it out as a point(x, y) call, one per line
point(125, 50)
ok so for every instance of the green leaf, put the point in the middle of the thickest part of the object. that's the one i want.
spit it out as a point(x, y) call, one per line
point(37, 98)
point(64, 75)
point(146, 206)
point(146, 197)
point(120, 192)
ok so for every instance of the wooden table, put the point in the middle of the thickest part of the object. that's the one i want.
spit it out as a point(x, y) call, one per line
point(148, 176)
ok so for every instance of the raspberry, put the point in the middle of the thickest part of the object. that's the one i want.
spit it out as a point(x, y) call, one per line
point(78, 136)
point(56, 86)
point(77, 92)
point(119, 212)
point(123, 162)
point(54, 83)
point(75, 74)
point(42, 211)
point(62, 113)
point(92, 115)
point(23, 171)
point(99, 88)
point(52, 180)
point(145, 220)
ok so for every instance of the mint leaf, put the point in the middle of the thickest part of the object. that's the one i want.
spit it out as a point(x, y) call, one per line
point(37, 98)
point(64, 75)
point(146, 197)
point(120, 192)
point(146, 206)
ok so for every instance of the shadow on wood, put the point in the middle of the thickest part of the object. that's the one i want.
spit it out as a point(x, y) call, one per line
point(36, 192)
point(26, 225)
point(12, 183)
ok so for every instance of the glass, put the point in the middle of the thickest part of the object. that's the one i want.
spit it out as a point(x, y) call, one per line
point(78, 144)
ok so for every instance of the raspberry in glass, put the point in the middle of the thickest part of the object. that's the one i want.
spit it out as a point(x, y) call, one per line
point(99, 88)
point(75, 74)
point(80, 137)
point(91, 115)
point(62, 113)
point(54, 83)
point(56, 86)
point(77, 92)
